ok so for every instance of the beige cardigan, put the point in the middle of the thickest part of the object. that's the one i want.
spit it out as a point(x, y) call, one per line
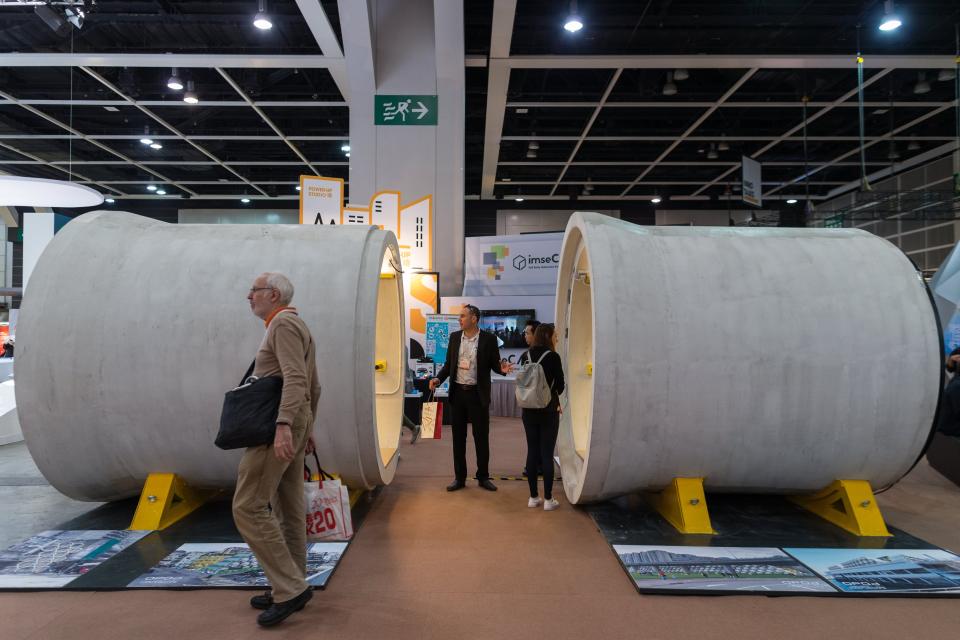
point(288, 351)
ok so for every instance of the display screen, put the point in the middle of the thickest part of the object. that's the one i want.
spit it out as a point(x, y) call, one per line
point(507, 325)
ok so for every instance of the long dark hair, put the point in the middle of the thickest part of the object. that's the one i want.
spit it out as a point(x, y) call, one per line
point(543, 336)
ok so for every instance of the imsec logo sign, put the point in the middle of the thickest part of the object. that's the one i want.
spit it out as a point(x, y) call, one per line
point(536, 262)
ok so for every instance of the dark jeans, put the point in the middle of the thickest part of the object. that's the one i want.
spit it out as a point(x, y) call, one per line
point(467, 407)
point(541, 428)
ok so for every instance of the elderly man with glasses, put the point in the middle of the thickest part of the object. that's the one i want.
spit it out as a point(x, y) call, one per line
point(268, 505)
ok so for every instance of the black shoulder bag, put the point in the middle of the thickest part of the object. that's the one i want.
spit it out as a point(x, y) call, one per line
point(249, 416)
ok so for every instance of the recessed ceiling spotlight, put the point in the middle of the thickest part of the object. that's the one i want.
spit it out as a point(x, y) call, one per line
point(506, 180)
point(890, 20)
point(345, 148)
point(655, 199)
point(574, 22)
point(712, 154)
point(174, 81)
point(723, 146)
point(922, 85)
point(913, 146)
point(111, 109)
point(680, 75)
point(156, 145)
point(518, 199)
point(261, 20)
point(109, 200)
point(245, 200)
point(151, 187)
point(161, 192)
point(347, 154)
point(946, 74)
point(531, 154)
point(791, 201)
point(669, 87)
point(298, 187)
point(190, 97)
point(522, 110)
point(146, 139)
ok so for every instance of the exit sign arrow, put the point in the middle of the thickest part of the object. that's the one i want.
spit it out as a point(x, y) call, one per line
point(404, 110)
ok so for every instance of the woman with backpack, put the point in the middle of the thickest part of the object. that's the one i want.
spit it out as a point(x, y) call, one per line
point(541, 411)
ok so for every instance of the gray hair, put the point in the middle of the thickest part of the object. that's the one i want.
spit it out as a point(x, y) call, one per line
point(282, 284)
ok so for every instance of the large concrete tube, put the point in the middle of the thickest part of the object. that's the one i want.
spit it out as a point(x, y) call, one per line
point(132, 330)
point(763, 360)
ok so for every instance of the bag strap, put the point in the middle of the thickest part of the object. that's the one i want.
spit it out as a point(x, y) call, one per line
point(248, 373)
point(323, 474)
point(540, 359)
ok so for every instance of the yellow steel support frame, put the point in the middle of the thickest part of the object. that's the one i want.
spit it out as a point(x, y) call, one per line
point(165, 499)
point(849, 504)
point(684, 505)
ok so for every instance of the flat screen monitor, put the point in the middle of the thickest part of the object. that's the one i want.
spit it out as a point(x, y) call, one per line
point(508, 325)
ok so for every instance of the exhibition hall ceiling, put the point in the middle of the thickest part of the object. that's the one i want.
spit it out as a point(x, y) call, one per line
point(649, 98)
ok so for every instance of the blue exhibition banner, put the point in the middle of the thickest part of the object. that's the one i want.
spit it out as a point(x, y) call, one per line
point(439, 328)
point(951, 334)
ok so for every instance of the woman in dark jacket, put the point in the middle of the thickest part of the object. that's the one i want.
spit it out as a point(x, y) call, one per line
point(542, 425)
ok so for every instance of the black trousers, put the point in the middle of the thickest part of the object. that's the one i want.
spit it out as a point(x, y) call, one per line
point(467, 407)
point(541, 428)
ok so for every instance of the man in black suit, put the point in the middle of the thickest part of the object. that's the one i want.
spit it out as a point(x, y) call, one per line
point(472, 355)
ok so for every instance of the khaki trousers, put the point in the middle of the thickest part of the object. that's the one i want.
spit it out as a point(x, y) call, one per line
point(277, 536)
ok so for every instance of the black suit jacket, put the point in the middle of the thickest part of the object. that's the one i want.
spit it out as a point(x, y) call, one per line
point(488, 360)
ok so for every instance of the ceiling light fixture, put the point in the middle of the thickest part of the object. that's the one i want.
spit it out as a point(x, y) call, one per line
point(712, 154)
point(531, 154)
point(245, 200)
point(347, 154)
point(190, 97)
point(655, 200)
point(922, 85)
point(156, 145)
point(261, 20)
point(945, 75)
point(680, 75)
point(574, 22)
point(791, 201)
point(74, 16)
point(146, 139)
point(890, 20)
point(17, 191)
point(151, 187)
point(109, 200)
point(345, 148)
point(669, 88)
point(298, 188)
point(894, 154)
point(723, 146)
point(533, 145)
point(518, 199)
point(913, 146)
point(174, 81)
point(161, 192)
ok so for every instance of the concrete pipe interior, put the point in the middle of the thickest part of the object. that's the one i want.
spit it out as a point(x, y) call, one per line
point(131, 330)
point(761, 360)
point(388, 361)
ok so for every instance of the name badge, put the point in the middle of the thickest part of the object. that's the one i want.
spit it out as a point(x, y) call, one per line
point(464, 363)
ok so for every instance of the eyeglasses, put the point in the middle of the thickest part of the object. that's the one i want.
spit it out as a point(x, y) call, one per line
point(255, 289)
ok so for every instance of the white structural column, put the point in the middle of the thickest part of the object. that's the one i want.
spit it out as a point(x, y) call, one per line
point(391, 48)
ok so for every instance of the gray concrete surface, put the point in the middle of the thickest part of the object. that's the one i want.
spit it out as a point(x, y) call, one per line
point(125, 377)
point(27, 501)
point(760, 359)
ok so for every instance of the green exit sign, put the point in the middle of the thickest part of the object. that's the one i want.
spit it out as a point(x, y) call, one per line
point(833, 222)
point(405, 110)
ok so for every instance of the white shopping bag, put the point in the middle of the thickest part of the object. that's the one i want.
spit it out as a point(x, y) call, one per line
point(328, 508)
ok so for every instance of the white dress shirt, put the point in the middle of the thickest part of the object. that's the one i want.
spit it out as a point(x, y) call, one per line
point(467, 359)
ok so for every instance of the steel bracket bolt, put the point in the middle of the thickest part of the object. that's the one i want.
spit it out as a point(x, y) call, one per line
point(151, 498)
point(695, 501)
point(865, 504)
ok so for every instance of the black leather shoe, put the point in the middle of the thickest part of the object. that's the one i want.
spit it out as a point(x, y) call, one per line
point(263, 601)
point(487, 484)
point(456, 485)
point(280, 611)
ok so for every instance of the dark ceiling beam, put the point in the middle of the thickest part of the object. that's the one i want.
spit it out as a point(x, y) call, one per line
point(817, 115)
point(96, 76)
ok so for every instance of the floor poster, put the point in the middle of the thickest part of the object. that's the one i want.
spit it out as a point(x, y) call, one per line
point(232, 564)
point(55, 558)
